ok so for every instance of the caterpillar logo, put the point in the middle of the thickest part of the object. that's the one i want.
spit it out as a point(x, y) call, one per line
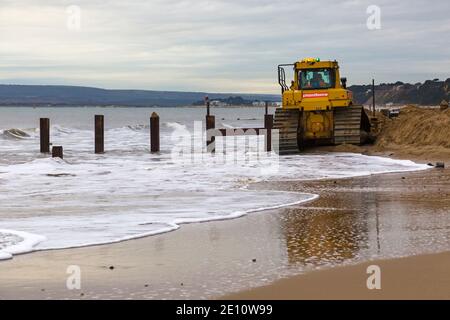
point(315, 95)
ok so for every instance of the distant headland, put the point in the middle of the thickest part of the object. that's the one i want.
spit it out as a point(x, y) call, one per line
point(431, 92)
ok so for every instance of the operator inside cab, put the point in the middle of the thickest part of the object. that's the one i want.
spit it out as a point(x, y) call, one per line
point(315, 79)
point(292, 87)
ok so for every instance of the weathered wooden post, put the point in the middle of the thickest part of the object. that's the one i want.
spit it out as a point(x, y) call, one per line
point(207, 104)
point(266, 104)
point(154, 132)
point(99, 134)
point(210, 138)
point(268, 125)
point(57, 152)
point(210, 125)
point(373, 97)
point(45, 135)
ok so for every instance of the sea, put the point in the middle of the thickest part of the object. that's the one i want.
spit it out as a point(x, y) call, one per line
point(128, 192)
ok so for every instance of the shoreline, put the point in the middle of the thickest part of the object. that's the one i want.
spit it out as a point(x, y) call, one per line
point(166, 230)
point(422, 155)
point(220, 243)
point(236, 215)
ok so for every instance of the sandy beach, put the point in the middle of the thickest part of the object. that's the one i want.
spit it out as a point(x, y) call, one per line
point(354, 221)
point(421, 277)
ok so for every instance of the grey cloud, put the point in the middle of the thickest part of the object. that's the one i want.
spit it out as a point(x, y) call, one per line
point(219, 45)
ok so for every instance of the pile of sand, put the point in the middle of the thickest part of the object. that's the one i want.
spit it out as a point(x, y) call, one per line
point(417, 130)
point(420, 134)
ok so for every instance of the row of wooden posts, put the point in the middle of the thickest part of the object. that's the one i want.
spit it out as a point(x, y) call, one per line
point(211, 127)
point(212, 132)
point(57, 151)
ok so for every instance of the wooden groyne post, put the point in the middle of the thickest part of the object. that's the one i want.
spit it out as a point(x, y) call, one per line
point(99, 134)
point(57, 152)
point(268, 125)
point(207, 104)
point(373, 97)
point(210, 126)
point(210, 138)
point(154, 133)
point(44, 127)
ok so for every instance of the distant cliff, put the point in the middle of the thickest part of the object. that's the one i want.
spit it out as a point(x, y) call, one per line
point(80, 96)
point(431, 92)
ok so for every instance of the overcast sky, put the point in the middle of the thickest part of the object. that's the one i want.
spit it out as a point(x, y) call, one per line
point(217, 46)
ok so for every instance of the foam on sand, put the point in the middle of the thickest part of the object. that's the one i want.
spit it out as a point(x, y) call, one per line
point(19, 242)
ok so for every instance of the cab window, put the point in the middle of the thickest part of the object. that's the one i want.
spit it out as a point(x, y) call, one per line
point(316, 79)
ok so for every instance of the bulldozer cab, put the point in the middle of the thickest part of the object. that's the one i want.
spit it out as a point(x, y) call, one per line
point(311, 74)
point(313, 79)
point(316, 85)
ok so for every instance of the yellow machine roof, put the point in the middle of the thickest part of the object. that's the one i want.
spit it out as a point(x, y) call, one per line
point(313, 63)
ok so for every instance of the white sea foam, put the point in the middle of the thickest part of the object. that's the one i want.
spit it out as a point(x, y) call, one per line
point(25, 242)
point(127, 193)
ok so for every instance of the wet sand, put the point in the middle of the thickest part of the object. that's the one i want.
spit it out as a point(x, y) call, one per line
point(354, 220)
point(424, 277)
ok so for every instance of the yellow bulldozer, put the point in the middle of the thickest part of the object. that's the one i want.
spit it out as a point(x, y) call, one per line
point(317, 108)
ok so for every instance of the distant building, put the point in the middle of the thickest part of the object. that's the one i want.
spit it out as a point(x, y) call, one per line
point(258, 103)
point(218, 103)
point(263, 103)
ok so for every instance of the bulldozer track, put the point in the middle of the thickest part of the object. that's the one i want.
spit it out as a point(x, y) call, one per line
point(349, 125)
point(286, 121)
